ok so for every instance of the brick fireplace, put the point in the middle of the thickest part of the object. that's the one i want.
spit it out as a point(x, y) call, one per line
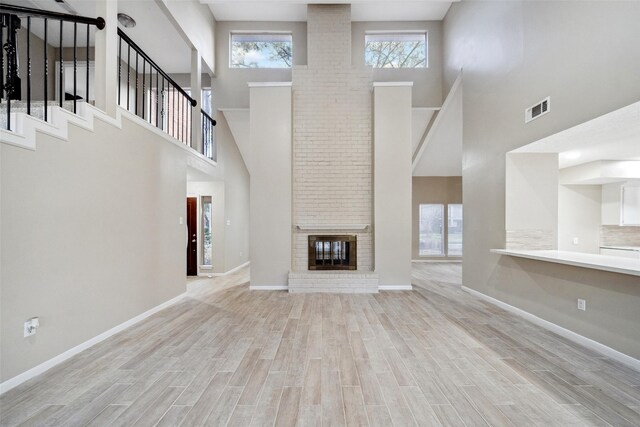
point(332, 160)
point(317, 133)
point(333, 252)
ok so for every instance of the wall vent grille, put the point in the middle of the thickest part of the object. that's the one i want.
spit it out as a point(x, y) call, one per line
point(537, 110)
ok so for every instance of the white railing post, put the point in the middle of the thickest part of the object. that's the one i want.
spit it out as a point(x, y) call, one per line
point(106, 58)
point(196, 93)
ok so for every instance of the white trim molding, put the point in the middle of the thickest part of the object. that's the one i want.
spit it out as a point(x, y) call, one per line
point(269, 288)
point(566, 333)
point(45, 366)
point(395, 287)
point(341, 227)
point(233, 270)
point(437, 260)
point(392, 84)
point(269, 84)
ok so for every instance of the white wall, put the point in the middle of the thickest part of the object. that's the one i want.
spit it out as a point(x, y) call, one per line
point(611, 203)
point(270, 215)
point(237, 181)
point(579, 217)
point(90, 236)
point(392, 184)
point(427, 82)
point(197, 24)
point(514, 53)
point(531, 201)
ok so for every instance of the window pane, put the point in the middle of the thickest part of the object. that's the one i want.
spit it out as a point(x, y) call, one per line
point(431, 230)
point(261, 50)
point(454, 245)
point(207, 243)
point(399, 50)
point(206, 101)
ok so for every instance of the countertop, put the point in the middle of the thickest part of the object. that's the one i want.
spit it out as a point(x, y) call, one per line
point(622, 248)
point(595, 261)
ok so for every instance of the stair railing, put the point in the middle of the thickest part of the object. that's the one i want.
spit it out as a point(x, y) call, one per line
point(209, 149)
point(150, 93)
point(39, 36)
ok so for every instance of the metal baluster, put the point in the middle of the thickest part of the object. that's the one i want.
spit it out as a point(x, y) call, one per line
point(2, 59)
point(61, 70)
point(136, 97)
point(128, 72)
point(162, 105)
point(144, 75)
point(157, 96)
point(203, 130)
point(75, 66)
point(29, 65)
point(173, 116)
point(119, 69)
point(46, 69)
point(86, 93)
point(8, 92)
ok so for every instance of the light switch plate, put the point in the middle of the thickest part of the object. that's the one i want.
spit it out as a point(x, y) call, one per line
point(575, 240)
point(582, 304)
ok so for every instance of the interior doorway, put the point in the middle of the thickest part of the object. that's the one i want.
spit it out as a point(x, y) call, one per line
point(192, 236)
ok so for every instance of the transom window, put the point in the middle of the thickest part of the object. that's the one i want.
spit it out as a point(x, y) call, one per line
point(396, 50)
point(261, 50)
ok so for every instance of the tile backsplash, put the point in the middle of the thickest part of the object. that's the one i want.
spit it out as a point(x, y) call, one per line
point(531, 239)
point(615, 235)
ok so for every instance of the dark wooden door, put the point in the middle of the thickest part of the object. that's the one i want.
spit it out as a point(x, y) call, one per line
point(192, 235)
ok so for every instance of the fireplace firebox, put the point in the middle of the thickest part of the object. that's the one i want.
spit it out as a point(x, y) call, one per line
point(332, 252)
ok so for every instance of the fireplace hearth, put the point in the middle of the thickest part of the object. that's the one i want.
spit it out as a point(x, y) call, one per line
point(332, 252)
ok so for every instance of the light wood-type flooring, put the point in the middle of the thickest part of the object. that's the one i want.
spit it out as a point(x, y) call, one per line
point(230, 356)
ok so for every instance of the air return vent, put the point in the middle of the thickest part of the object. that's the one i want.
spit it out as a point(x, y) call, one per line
point(540, 109)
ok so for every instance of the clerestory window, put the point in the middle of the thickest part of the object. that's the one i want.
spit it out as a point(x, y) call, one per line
point(396, 50)
point(261, 50)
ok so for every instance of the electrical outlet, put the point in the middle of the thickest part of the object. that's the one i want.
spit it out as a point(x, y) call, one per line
point(575, 241)
point(31, 326)
point(582, 304)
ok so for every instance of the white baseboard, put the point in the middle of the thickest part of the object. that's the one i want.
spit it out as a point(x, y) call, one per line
point(566, 333)
point(45, 366)
point(233, 270)
point(437, 260)
point(269, 288)
point(395, 287)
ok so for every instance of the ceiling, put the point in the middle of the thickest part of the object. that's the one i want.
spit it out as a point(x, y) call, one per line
point(296, 10)
point(149, 17)
point(613, 136)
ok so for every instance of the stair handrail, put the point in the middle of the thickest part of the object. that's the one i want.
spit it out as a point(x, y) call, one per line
point(166, 76)
point(28, 11)
point(11, 18)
